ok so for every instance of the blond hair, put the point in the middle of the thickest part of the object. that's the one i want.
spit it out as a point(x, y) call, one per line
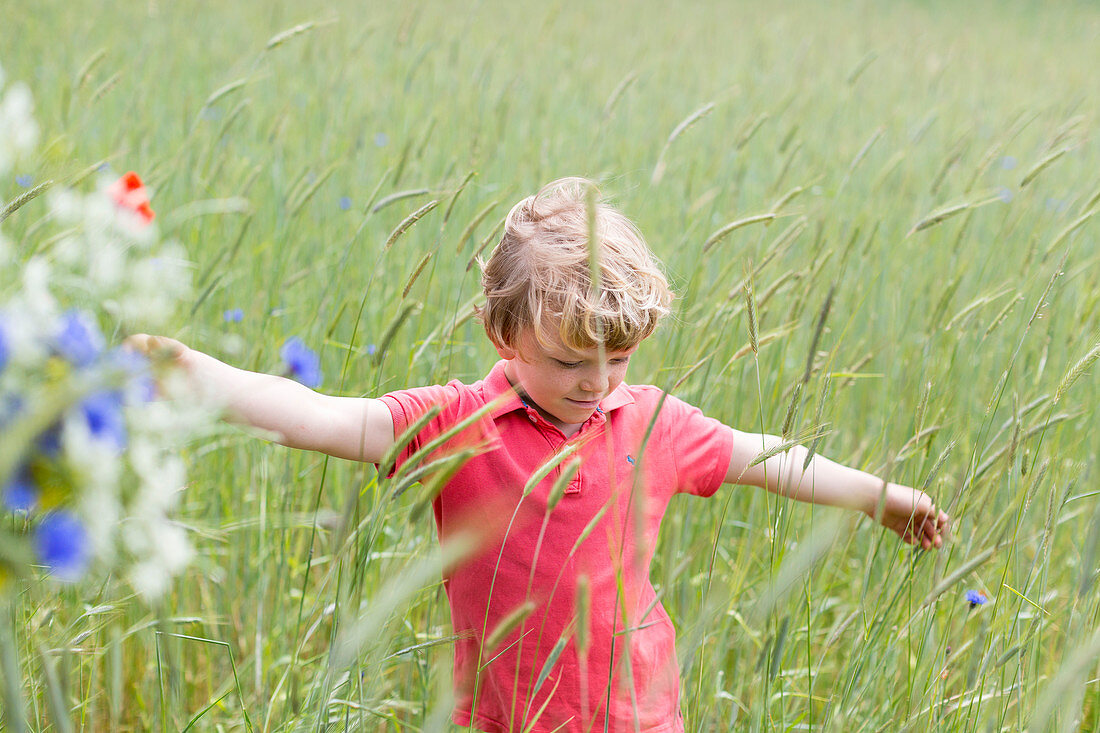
point(540, 274)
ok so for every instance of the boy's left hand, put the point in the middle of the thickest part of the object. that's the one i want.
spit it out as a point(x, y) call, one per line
point(912, 515)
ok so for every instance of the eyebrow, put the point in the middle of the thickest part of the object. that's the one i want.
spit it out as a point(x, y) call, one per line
point(578, 356)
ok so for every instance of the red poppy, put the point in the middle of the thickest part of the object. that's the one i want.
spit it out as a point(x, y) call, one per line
point(129, 193)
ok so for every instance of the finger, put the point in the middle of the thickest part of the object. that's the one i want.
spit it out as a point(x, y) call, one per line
point(136, 342)
point(931, 534)
point(938, 531)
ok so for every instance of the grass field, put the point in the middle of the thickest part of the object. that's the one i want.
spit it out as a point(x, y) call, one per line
point(936, 165)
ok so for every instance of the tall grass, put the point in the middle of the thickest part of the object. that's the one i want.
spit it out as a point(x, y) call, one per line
point(905, 191)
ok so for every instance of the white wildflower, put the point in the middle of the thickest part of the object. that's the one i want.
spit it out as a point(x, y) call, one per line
point(167, 557)
point(36, 295)
point(23, 329)
point(18, 131)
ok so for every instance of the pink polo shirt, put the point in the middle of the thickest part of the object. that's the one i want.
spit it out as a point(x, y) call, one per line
point(629, 673)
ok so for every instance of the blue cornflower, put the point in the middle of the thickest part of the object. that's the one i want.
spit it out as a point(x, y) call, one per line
point(381, 139)
point(5, 350)
point(302, 362)
point(140, 387)
point(103, 413)
point(345, 203)
point(1008, 163)
point(78, 339)
point(21, 493)
point(10, 406)
point(49, 442)
point(61, 543)
point(1005, 194)
point(371, 348)
point(976, 598)
point(25, 180)
point(233, 315)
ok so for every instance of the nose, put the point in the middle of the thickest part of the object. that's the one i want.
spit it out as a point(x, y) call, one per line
point(594, 382)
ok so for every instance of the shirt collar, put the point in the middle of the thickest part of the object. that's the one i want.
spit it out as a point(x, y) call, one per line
point(496, 387)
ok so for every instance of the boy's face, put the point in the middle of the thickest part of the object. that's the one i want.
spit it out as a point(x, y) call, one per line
point(564, 384)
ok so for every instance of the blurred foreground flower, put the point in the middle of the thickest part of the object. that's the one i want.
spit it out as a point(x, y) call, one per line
point(78, 339)
point(89, 466)
point(61, 544)
point(301, 362)
point(3, 348)
point(89, 471)
point(20, 494)
point(18, 130)
point(129, 193)
point(976, 598)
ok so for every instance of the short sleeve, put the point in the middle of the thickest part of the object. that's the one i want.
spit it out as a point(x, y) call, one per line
point(409, 405)
point(701, 447)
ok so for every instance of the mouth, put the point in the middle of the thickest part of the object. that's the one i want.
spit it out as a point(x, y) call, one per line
point(585, 404)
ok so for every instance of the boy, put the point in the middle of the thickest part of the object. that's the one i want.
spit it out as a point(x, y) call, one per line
point(568, 560)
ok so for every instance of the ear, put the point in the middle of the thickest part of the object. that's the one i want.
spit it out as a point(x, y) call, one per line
point(506, 352)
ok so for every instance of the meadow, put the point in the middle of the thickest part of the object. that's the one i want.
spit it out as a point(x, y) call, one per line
point(903, 194)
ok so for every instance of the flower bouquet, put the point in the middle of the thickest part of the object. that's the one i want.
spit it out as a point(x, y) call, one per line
point(89, 462)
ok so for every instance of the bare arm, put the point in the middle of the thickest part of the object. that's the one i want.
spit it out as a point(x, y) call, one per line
point(358, 429)
point(908, 512)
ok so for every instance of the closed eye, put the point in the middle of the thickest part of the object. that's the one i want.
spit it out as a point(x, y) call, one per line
point(567, 364)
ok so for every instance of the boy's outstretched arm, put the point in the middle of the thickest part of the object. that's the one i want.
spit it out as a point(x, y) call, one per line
point(908, 512)
point(358, 429)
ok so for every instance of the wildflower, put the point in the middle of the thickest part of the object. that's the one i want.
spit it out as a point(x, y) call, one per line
point(129, 193)
point(5, 350)
point(371, 349)
point(21, 493)
point(976, 598)
point(17, 122)
point(10, 406)
point(140, 387)
point(233, 315)
point(302, 363)
point(381, 139)
point(345, 203)
point(103, 413)
point(1004, 194)
point(1008, 162)
point(78, 339)
point(49, 442)
point(24, 181)
point(169, 555)
point(61, 543)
